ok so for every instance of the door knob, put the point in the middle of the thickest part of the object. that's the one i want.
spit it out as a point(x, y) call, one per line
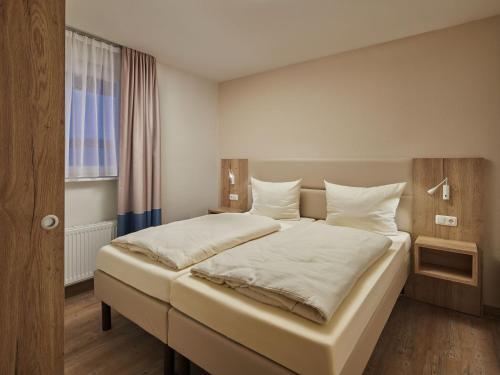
point(50, 222)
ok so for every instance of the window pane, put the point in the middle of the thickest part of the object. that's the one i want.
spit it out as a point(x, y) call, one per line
point(92, 107)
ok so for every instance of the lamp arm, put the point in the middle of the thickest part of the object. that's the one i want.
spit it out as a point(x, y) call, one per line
point(433, 189)
point(444, 182)
point(232, 178)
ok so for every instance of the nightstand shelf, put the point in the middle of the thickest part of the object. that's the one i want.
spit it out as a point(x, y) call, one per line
point(454, 261)
point(445, 273)
point(220, 210)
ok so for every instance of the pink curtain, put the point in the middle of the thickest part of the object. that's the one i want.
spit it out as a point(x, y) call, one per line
point(139, 203)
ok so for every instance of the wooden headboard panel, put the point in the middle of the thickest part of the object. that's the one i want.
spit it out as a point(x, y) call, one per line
point(345, 172)
point(465, 176)
point(239, 168)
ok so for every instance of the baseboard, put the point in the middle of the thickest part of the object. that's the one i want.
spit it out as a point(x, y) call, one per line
point(79, 288)
point(491, 311)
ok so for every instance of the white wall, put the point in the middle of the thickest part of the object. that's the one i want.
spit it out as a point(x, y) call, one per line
point(90, 202)
point(189, 117)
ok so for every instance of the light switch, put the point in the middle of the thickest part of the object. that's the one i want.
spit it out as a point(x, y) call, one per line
point(450, 221)
point(233, 197)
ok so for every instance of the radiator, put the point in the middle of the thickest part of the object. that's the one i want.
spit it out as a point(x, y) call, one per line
point(81, 244)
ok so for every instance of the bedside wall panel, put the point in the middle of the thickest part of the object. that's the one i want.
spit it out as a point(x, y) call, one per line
point(239, 167)
point(465, 176)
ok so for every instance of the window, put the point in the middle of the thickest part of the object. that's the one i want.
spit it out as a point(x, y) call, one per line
point(92, 83)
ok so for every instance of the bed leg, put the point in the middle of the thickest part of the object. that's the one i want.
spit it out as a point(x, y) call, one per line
point(106, 316)
point(168, 360)
point(183, 365)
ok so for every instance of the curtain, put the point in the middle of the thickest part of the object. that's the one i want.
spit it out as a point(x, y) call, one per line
point(139, 170)
point(92, 93)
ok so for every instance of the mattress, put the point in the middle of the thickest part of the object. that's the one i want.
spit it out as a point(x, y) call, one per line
point(294, 342)
point(144, 274)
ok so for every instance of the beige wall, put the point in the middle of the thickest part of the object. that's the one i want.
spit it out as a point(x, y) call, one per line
point(188, 106)
point(433, 95)
point(189, 116)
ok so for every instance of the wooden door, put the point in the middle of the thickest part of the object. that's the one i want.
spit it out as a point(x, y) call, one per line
point(31, 186)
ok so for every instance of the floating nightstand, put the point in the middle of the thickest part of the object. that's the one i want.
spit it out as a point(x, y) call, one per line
point(455, 261)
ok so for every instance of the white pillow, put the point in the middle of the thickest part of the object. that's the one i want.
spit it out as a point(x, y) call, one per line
point(279, 200)
point(368, 208)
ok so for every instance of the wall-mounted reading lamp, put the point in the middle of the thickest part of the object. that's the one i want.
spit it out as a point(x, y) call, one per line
point(446, 189)
point(232, 178)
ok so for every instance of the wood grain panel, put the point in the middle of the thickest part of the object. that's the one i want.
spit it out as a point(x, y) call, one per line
point(31, 186)
point(426, 174)
point(240, 169)
point(465, 176)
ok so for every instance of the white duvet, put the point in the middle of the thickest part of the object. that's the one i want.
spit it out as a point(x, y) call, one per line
point(183, 243)
point(308, 269)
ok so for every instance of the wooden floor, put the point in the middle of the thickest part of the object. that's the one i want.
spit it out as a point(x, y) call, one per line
point(418, 339)
point(424, 339)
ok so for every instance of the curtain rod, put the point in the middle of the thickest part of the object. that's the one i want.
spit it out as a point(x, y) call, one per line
point(74, 29)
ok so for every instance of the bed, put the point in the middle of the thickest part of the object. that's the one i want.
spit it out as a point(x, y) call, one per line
point(226, 333)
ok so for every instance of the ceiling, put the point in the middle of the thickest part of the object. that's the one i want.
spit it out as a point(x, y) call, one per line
point(225, 39)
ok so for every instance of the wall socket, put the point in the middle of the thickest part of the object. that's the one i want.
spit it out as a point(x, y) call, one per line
point(233, 197)
point(450, 221)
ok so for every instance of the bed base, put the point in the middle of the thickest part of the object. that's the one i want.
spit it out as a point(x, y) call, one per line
point(145, 311)
point(168, 352)
point(214, 352)
point(219, 355)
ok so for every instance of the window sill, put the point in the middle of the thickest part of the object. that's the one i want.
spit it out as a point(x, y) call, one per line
point(90, 179)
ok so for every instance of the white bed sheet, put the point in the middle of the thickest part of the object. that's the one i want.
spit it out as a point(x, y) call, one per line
point(144, 274)
point(296, 343)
